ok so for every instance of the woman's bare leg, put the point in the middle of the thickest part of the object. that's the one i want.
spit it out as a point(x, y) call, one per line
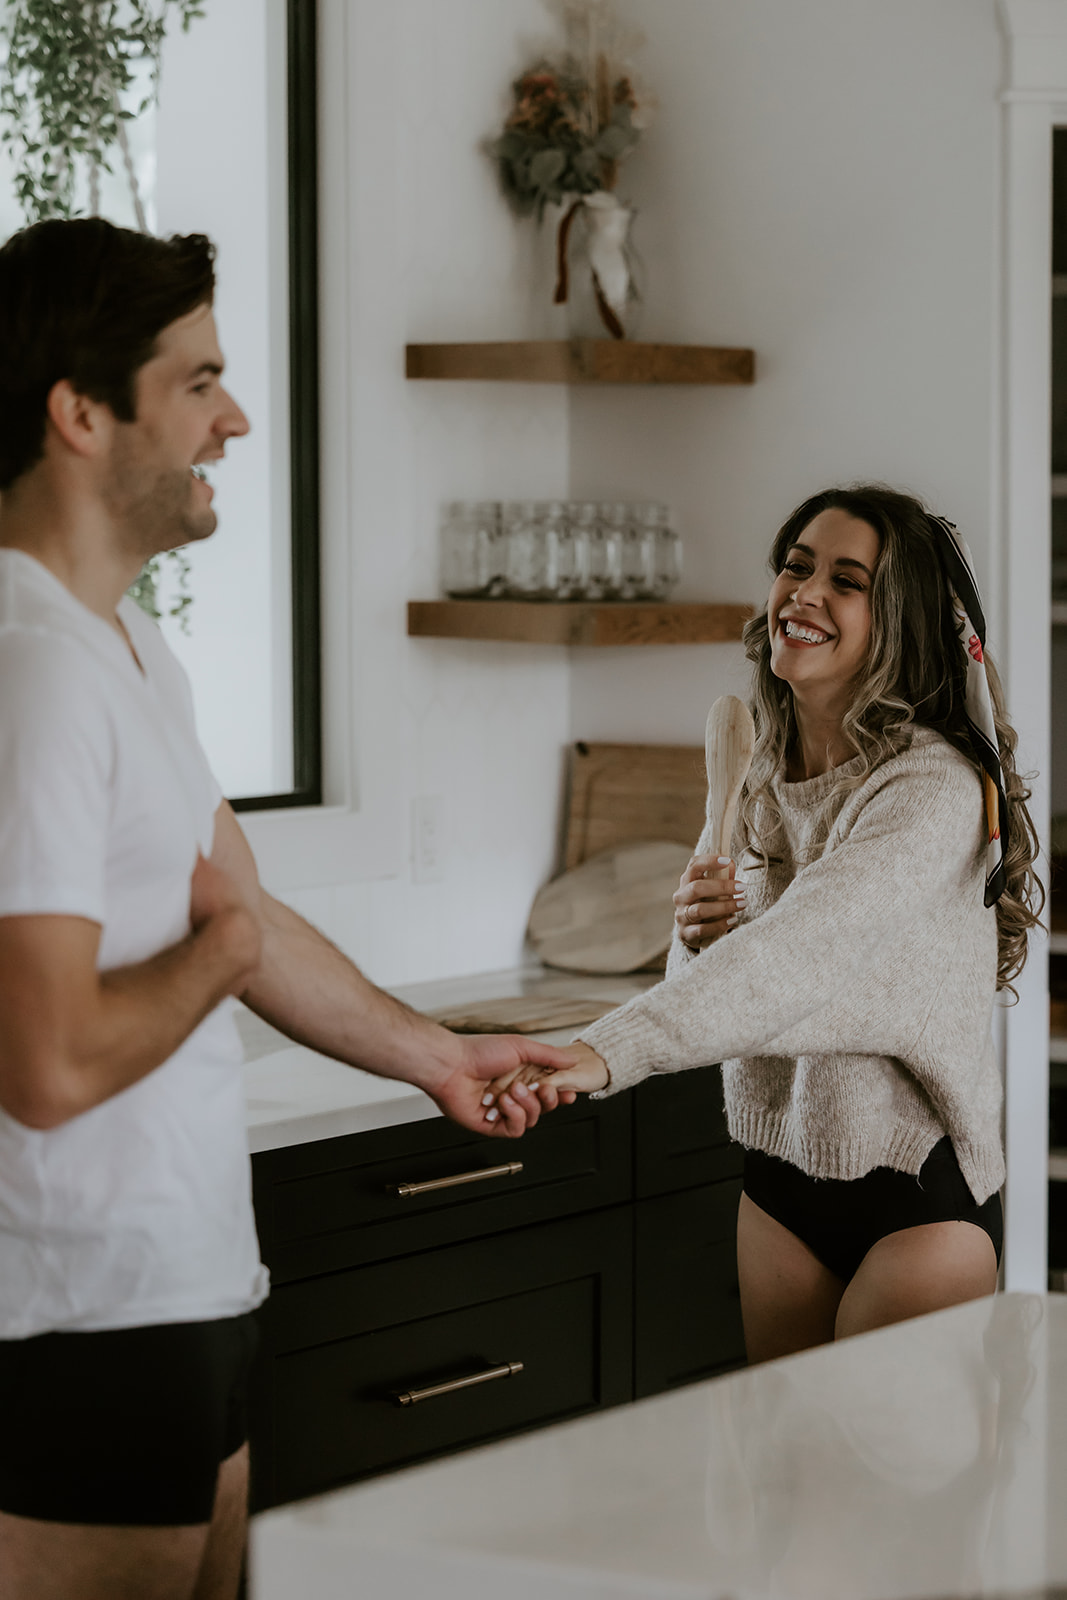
point(789, 1300)
point(917, 1270)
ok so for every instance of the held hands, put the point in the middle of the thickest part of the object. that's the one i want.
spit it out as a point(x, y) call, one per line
point(707, 904)
point(581, 1071)
point(707, 901)
point(474, 1091)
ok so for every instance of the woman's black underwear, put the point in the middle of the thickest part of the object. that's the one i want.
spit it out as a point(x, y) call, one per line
point(839, 1220)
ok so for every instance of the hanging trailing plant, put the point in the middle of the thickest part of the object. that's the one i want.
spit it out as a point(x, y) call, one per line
point(73, 76)
point(147, 588)
point(66, 88)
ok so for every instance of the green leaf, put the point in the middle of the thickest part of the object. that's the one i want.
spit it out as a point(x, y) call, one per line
point(614, 141)
point(546, 167)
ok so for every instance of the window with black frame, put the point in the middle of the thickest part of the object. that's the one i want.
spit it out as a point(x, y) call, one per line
point(223, 143)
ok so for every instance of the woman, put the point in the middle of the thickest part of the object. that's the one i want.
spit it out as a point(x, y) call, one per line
point(883, 894)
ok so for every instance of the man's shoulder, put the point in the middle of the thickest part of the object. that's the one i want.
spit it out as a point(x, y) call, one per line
point(39, 619)
point(48, 674)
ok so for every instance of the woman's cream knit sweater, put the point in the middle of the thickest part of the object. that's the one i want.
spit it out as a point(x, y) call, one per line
point(851, 1006)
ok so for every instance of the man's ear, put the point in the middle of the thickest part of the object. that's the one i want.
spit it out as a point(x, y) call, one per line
point(85, 426)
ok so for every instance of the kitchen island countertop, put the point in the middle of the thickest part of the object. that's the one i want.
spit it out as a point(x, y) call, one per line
point(921, 1462)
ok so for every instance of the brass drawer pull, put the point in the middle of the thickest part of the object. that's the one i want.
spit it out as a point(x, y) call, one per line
point(411, 1397)
point(508, 1170)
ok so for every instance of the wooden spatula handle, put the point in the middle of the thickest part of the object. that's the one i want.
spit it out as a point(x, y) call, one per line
point(729, 740)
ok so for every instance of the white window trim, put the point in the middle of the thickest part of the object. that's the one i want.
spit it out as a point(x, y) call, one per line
point(341, 840)
point(1034, 101)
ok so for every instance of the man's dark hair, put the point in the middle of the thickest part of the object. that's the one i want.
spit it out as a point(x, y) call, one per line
point(86, 301)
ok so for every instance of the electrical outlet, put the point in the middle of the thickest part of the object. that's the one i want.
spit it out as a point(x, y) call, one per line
point(427, 853)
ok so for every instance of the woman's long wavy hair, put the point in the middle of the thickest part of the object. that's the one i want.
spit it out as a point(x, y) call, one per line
point(916, 673)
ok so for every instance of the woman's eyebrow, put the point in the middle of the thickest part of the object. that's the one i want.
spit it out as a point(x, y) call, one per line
point(841, 561)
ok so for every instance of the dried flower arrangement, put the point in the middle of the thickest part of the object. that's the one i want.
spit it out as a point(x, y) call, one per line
point(575, 116)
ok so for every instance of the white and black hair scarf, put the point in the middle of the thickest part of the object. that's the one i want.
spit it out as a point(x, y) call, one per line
point(978, 707)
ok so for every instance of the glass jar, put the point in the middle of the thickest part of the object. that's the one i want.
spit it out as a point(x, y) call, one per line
point(635, 576)
point(587, 545)
point(471, 564)
point(615, 522)
point(666, 554)
point(561, 551)
point(530, 554)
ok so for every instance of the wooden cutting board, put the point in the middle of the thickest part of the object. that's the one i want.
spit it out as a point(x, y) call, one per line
point(618, 793)
point(613, 913)
point(522, 1014)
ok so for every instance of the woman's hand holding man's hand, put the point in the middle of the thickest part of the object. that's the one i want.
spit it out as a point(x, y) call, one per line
point(707, 901)
point(553, 1086)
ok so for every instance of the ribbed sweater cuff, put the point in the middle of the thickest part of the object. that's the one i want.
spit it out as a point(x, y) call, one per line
point(632, 1047)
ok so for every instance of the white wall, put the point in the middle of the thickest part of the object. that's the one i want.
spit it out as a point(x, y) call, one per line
point(820, 184)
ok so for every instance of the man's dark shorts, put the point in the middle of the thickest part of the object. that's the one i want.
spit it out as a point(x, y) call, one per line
point(125, 1427)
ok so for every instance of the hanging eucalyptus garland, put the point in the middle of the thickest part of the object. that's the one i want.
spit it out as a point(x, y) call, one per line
point(69, 75)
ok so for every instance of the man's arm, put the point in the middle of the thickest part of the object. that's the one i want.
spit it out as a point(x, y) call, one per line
point(305, 987)
point(71, 1037)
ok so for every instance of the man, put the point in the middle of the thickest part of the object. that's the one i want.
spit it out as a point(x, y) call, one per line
point(129, 912)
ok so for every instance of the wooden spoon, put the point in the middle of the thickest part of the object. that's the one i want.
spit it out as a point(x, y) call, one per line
point(729, 740)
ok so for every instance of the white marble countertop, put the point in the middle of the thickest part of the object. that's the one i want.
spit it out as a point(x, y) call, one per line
point(296, 1095)
point(924, 1461)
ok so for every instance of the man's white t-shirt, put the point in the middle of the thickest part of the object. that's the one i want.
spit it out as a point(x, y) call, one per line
point(138, 1211)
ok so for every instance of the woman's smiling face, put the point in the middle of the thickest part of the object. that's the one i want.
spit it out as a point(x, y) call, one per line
point(819, 611)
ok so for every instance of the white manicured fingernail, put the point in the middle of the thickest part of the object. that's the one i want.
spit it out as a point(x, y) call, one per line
point(722, 861)
point(731, 922)
point(487, 1099)
point(491, 1116)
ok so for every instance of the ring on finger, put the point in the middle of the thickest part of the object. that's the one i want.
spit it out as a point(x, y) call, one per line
point(689, 917)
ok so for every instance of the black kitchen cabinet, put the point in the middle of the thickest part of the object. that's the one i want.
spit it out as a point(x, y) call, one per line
point(687, 1311)
point(434, 1290)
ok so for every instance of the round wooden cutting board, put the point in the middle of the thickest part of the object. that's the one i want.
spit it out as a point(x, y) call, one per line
point(614, 912)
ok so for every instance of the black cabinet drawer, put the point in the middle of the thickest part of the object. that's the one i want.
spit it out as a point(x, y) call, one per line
point(342, 1202)
point(680, 1136)
point(687, 1312)
point(337, 1351)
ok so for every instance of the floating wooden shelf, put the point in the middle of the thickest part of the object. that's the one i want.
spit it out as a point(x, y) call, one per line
point(577, 622)
point(582, 361)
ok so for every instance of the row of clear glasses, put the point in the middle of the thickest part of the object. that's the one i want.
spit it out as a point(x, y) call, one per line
point(559, 550)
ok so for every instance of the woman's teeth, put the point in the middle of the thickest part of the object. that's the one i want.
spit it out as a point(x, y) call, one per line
point(199, 472)
point(794, 630)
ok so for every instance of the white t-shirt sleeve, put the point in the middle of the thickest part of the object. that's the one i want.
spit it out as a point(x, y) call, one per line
point(56, 754)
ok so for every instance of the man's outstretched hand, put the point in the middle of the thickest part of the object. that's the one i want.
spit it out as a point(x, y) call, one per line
point(484, 1058)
